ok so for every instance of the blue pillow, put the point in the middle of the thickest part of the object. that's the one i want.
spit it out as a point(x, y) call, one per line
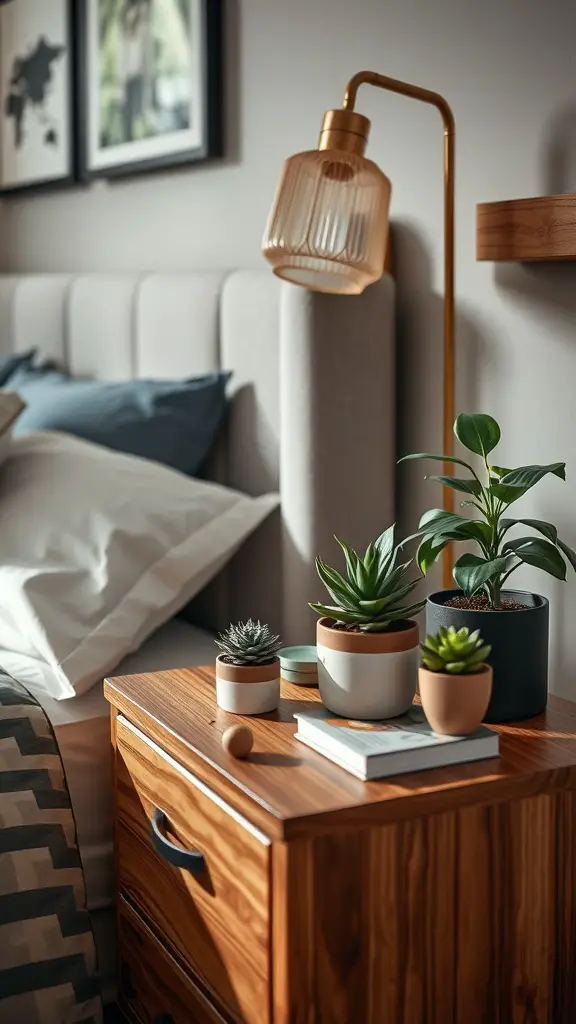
point(8, 364)
point(172, 422)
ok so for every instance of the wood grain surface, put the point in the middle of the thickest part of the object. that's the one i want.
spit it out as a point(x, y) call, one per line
point(152, 984)
point(543, 228)
point(289, 791)
point(215, 924)
point(465, 917)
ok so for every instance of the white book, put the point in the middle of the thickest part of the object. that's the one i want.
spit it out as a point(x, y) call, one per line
point(373, 750)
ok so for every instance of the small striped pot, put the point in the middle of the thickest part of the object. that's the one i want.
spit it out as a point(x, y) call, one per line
point(247, 689)
point(367, 675)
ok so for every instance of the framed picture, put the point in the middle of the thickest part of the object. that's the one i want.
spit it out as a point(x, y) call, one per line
point(152, 85)
point(36, 94)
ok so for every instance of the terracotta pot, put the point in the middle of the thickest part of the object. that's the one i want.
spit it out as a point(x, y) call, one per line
point(247, 689)
point(455, 705)
point(367, 675)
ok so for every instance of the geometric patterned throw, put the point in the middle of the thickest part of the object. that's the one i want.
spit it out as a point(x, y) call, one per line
point(48, 968)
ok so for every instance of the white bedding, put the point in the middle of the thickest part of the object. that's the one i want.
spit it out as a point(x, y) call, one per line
point(82, 728)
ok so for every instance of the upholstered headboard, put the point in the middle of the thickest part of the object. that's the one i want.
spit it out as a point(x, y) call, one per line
point(311, 414)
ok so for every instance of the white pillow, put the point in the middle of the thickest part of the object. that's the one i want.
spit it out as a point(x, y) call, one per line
point(99, 549)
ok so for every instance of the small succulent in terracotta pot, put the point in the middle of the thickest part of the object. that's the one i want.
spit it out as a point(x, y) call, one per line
point(248, 669)
point(455, 681)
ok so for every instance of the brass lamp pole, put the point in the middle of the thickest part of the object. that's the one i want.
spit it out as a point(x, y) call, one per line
point(328, 228)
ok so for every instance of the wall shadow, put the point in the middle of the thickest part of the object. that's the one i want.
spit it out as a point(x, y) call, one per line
point(558, 170)
point(420, 369)
point(549, 286)
point(550, 289)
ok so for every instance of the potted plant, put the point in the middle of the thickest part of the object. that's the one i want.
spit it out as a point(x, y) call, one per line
point(454, 680)
point(248, 670)
point(367, 643)
point(514, 623)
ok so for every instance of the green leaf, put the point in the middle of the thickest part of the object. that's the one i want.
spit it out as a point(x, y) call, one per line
point(336, 586)
point(471, 572)
point(499, 471)
point(370, 560)
point(478, 432)
point(432, 661)
point(465, 486)
point(362, 578)
point(526, 476)
point(385, 543)
point(334, 612)
point(429, 550)
point(437, 458)
point(436, 520)
point(394, 579)
point(352, 560)
point(547, 529)
point(480, 655)
point(569, 552)
point(506, 492)
point(377, 606)
point(453, 527)
point(540, 553)
point(394, 614)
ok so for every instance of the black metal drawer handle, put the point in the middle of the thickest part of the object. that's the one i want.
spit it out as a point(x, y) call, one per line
point(191, 860)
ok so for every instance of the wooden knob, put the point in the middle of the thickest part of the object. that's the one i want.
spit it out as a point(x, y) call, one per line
point(238, 741)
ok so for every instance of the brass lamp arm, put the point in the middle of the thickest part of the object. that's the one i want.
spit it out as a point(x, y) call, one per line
point(415, 92)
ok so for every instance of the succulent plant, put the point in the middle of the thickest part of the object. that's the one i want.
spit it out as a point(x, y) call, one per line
point(370, 598)
point(248, 643)
point(458, 652)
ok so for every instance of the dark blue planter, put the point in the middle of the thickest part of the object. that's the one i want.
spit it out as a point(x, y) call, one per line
point(519, 656)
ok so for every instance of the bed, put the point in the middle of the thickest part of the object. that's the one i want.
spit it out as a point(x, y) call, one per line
point(311, 415)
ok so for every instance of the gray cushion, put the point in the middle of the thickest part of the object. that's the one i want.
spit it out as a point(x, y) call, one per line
point(172, 422)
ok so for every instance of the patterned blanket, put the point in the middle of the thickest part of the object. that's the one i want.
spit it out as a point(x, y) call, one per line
point(48, 970)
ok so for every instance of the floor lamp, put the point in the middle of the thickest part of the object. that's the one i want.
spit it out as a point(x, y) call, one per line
point(328, 228)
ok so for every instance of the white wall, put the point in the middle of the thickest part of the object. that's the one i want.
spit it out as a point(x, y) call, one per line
point(507, 67)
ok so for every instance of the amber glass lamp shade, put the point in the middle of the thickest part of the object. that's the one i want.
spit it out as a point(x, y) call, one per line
point(328, 228)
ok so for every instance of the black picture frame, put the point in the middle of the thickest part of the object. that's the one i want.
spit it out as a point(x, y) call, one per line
point(72, 154)
point(211, 144)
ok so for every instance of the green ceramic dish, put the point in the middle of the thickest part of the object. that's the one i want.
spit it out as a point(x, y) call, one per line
point(299, 659)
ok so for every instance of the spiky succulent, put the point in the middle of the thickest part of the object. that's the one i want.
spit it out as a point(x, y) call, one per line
point(371, 598)
point(458, 652)
point(248, 643)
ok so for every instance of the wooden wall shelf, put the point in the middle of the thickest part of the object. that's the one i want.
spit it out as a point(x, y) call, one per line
point(527, 229)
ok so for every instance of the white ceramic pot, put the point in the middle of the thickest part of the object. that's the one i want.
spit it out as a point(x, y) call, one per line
point(367, 675)
point(247, 689)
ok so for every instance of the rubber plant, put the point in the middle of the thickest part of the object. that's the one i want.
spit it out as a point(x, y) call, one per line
point(490, 489)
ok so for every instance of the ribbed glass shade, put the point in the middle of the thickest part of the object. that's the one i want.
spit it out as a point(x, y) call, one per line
point(328, 228)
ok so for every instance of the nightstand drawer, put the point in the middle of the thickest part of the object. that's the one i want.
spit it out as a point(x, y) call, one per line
point(212, 906)
point(153, 987)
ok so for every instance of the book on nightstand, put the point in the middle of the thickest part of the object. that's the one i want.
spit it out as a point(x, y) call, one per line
point(374, 750)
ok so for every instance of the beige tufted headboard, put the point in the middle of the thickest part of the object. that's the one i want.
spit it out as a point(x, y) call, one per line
point(312, 403)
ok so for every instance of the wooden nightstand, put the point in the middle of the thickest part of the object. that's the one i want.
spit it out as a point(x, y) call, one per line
point(282, 890)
